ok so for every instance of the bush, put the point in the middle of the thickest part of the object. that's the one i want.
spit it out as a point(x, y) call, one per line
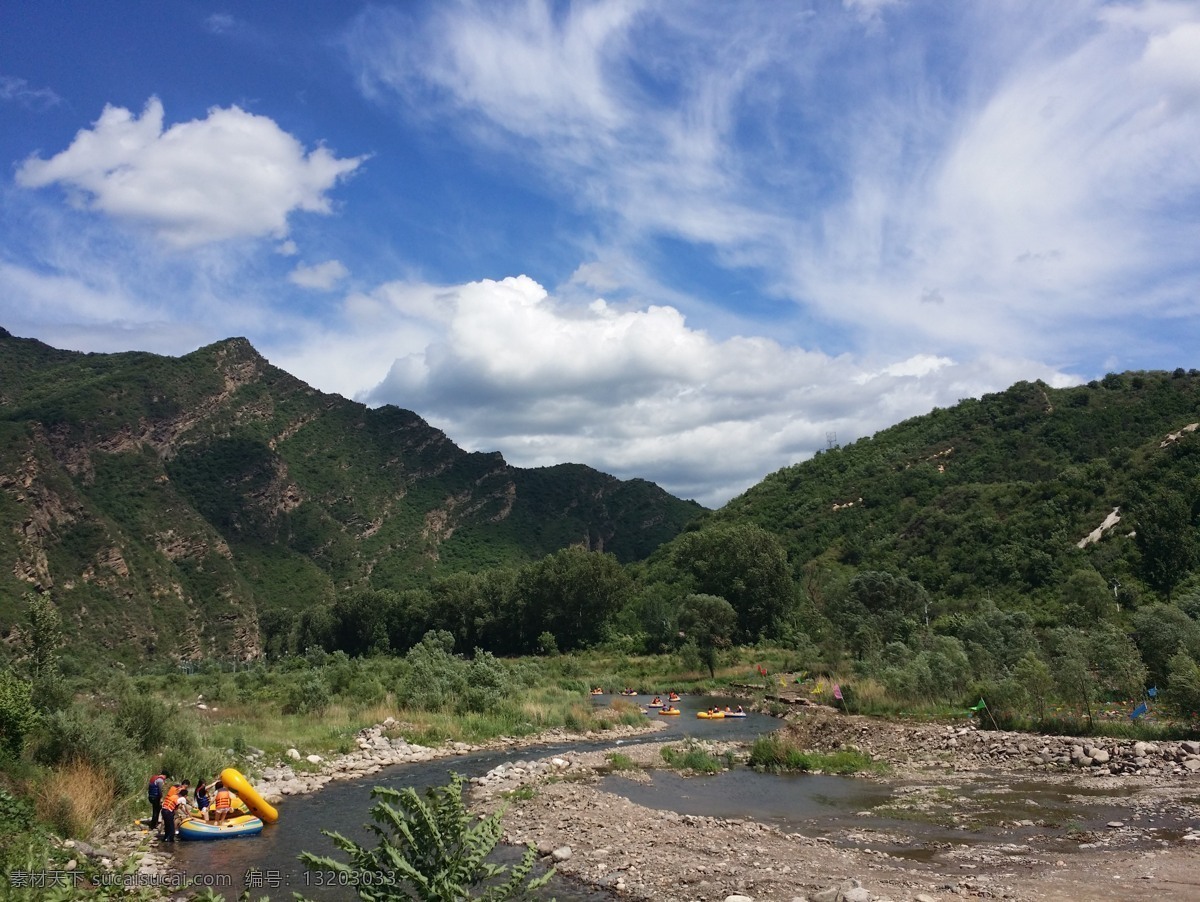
point(429, 849)
point(307, 695)
point(79, 734)
point(18, 716)
point(774, 753)
point(144, 719)
point(693, 757)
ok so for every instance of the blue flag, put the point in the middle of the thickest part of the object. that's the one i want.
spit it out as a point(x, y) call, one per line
point(1152, 692)
point(1139, 711)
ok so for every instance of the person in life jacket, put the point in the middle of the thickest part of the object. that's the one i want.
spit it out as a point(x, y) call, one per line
point(154, 793)
point(222, 803)
point(169, 802)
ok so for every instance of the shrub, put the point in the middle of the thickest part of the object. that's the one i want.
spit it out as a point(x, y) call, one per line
point(77, 734)
point(144, 719)
point(308, 695)
point(774, 753)
point(429, 849)
point(18, 716)
point(693, 757)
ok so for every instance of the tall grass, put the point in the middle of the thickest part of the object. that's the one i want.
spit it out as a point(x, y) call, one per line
point(776, 754)
point(74, 797)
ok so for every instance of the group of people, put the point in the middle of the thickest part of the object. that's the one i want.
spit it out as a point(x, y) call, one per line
point(170, 804)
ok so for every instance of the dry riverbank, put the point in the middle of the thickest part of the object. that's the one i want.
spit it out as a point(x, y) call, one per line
point(982, 786)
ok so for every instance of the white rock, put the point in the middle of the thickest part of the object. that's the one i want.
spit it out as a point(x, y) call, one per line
point(293, 754)
point(314, 759)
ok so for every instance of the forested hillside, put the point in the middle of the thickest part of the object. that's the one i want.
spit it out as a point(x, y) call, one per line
point(168, 505)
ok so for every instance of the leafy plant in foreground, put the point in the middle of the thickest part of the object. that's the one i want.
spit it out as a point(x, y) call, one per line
point(431, 849)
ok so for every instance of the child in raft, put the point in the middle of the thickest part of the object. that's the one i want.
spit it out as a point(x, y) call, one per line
point(222, 803)
point(202, 800)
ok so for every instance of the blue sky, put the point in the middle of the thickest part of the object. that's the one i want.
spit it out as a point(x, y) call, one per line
point(681, 241)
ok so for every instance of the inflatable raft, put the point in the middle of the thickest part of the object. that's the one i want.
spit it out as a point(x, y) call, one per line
point(668, 712)
point(245, 825)
point(735, 713)
point(715, 715)
point(235, 782)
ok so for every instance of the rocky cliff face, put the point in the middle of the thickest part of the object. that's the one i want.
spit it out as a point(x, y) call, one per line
point(166, 502)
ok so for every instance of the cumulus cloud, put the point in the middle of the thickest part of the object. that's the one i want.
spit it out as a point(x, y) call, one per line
point(319, 276)
point(636, 392)
point(230, 175)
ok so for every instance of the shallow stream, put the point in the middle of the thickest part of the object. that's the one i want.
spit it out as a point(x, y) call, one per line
point(916, 822)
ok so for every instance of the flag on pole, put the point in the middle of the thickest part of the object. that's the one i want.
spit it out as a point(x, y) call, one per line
point(837, 691)
point(1139, 711)
point(1152, 692)
point(979, 707)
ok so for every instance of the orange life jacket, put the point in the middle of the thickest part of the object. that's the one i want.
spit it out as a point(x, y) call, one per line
point(171, 798)
point(222, 800)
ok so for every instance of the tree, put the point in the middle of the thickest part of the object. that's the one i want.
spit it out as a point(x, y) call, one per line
point(1034, 676)
point(42, 644)
point(1166, 536)
point(17, 713)
point(710, 622)
point(1161, 630)
point(1073, 669)
point(1085, 594)
point(572, 594)
point(430, 849)
point(747, 566)
point(1183, 683)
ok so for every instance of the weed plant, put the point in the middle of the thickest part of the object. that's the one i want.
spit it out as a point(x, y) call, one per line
point(776, 754)
point(692, 757)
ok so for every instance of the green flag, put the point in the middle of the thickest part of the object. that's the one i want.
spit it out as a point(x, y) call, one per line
point(982, 704)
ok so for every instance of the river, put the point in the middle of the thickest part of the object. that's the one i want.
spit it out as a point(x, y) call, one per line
point(343, 806)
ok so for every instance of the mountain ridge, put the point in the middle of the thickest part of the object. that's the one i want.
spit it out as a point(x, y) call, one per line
point(160, 496)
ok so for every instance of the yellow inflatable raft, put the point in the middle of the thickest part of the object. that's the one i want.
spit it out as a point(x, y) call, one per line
point(715, 715)
point(235, 782)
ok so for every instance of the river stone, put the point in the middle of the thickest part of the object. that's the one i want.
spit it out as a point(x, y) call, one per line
point(562, 853)
point(294, 754)
point(737, 897)
point(1101, 756)
point(314, 759)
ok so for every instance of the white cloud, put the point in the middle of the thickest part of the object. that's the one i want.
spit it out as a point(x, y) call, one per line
point(319, 276)
point(1020, 168)
point(287, 248)
point(18, 90)
point(219, 23)
point(231, 175)
point(504, 365)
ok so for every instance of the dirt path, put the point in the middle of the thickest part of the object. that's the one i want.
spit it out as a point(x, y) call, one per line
point(1114, 823)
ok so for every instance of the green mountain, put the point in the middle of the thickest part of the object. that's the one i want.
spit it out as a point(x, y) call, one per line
point(168, 502)
point(1021, 497)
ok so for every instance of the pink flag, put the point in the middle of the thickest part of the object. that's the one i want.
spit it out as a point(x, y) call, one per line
point(837, 691)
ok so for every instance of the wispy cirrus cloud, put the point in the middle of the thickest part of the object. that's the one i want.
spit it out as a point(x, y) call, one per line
point(1027, 181)
point(18, 90)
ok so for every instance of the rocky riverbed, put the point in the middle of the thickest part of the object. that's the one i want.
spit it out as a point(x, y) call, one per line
point(982, 785)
